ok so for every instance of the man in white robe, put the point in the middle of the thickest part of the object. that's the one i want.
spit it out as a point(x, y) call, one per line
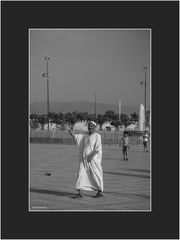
point(90, 175)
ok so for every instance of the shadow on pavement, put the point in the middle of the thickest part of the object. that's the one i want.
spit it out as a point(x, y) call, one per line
point(51, 192)
point(127, 174)
point(139, 170)
point(130, 195)
point(118, 159)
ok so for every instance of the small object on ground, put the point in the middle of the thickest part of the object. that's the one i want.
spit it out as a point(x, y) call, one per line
point(48, 174)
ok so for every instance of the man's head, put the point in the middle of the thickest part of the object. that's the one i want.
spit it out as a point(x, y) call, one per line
point(91, 126)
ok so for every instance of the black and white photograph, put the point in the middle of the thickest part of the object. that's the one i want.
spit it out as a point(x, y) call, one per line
point(90, 120)
point(90, 115)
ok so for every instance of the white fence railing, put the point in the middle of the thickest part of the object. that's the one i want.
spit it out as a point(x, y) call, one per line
point(63, 137)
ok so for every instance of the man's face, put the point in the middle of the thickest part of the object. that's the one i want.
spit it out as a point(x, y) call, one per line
point(91, 127)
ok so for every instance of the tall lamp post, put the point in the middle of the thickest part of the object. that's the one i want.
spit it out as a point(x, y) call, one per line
point(144, 83)
point(95, 107)
point(46, 75)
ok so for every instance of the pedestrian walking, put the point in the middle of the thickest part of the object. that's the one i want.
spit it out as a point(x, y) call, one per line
point(145, 141)
point(125, 146)
point(90, 174)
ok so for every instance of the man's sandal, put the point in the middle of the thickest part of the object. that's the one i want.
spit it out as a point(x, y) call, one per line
point(79, 195)
point(99, 194)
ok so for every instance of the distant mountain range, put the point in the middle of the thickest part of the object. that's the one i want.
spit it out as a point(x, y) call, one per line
point(64, 107)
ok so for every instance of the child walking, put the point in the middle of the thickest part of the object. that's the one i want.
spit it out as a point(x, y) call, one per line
point(125, 145)
point(145, 141)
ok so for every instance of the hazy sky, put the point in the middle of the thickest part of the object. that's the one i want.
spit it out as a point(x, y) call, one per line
point(84, 62)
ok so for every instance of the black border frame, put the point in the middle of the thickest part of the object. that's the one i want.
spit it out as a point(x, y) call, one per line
point(163, 19)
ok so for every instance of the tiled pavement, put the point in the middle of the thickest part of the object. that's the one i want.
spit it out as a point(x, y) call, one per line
point(127, 184)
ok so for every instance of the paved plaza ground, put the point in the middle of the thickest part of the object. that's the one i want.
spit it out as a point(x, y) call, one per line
point(127, 184)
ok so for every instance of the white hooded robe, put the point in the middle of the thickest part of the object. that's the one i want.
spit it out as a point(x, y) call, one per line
point(90, 175)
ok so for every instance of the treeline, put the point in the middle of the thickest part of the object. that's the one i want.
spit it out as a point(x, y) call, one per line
point(71, 118)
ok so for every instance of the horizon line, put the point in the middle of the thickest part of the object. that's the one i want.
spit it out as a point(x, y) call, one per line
point(112, 103)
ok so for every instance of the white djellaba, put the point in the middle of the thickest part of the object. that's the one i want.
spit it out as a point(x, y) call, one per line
point(90, 174)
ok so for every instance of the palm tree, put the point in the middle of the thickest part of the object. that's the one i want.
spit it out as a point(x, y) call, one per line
point(109, 114)
point(134, 117)
point(42, 119)
point(125, 119)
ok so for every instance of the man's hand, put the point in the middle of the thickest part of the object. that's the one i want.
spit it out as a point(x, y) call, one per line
point(90, 157)
point(70, 131)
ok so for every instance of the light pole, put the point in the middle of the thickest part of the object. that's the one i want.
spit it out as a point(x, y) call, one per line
point(46, 75)
point(119, 111)
point(144, 82)
point(95, 106)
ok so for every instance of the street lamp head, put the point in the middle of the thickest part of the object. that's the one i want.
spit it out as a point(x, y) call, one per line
point(145, 67)
point(46, 57)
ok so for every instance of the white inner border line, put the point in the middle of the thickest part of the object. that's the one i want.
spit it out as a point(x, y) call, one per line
point(150, 80)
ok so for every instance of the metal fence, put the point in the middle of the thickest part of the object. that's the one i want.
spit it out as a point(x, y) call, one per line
point(63, 137)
